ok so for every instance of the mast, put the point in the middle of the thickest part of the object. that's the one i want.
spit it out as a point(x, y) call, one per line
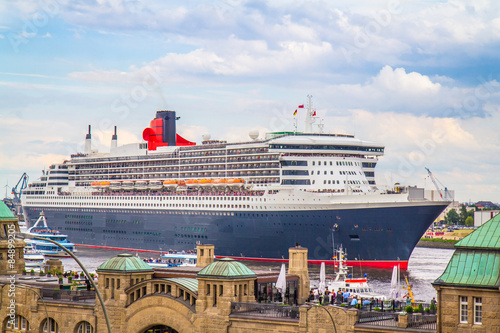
point(309, 120)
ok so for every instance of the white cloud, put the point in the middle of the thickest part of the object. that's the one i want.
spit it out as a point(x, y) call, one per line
point(400, 82)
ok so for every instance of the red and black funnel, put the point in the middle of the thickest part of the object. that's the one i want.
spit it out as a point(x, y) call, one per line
point(162, 132)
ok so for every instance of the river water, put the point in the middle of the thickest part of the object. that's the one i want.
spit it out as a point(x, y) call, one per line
point(425, 266)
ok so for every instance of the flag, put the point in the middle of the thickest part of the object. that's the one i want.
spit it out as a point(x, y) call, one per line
point(295, 112)
point(314, 113)
point(301, 106)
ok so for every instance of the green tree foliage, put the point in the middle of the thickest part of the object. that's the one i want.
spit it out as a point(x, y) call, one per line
point(463, 214)
point(452, 217)
point(469, 221)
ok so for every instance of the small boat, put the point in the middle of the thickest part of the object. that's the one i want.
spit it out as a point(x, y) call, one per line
point(115, 185)
point(173, 260)
point(235, 183)
point(346, 283)
point(100, 185)
point(127, 185)
point(170, 184)
point(193, 183)
point(141, 185)
point(219, 183)
point(155, 185)
point(33, 258)
point(41, 229)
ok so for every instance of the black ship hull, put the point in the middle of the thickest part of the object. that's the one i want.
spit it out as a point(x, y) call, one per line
point(377, 237)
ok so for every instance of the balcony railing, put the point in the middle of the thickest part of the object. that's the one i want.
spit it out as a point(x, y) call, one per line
point(87, 296)
point(265, 310)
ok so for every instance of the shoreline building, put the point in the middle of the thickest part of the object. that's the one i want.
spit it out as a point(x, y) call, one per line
point(468, 290)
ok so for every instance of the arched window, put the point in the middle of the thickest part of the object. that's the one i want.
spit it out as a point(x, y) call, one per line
point(50, 326)
point(18, 324)
point(84, 327)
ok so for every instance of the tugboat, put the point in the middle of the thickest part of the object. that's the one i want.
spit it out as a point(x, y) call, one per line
point(41, 229)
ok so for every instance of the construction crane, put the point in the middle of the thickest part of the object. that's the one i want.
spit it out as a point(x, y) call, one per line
point(445, 195)
point(410, 292)
point(17, 191)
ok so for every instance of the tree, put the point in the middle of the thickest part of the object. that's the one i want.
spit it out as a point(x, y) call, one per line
point(469, 221)
point(452, 217)
point(463, 214)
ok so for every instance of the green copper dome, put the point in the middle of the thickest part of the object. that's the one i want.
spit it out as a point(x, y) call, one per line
point(5, 212)
point(226, 268)
point(124, 263)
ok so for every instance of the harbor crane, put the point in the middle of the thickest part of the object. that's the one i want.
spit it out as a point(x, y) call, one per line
point(17, 191)
point(444, 194)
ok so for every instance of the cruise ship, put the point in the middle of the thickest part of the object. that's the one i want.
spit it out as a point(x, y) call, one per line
point(252, 200)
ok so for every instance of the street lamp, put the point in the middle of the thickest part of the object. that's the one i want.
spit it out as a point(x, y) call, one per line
point(30, 236)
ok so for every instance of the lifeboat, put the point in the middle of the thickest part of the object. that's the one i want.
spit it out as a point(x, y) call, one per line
point(96, 185)
point(105, 184)
point(115, 185)
point(141, 185)
point(235, 183)
point(170, 184)
point(155, 185)
point(205, 182)
point(219, 182)
point(193, 182)
point(127, 185)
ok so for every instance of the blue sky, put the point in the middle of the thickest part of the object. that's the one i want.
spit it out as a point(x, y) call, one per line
point(420, 77)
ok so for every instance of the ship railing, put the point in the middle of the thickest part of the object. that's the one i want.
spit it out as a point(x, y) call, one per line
point(265, 310)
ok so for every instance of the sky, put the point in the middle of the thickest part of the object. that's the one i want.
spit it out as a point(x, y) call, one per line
point(420, 77)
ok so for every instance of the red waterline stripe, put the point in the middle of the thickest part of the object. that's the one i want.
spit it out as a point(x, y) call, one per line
point(356, 263)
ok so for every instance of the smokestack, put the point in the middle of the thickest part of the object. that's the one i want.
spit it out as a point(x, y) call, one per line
point(169, 131)
point(88, 142)
point(114, 140)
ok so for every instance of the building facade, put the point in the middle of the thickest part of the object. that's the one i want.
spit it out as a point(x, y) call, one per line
point(468, 289)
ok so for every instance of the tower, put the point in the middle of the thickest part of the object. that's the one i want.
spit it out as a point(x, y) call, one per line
point(205, 255)
point(11, 249)
point(116, 275)
point(223, 282)
point(297, 265)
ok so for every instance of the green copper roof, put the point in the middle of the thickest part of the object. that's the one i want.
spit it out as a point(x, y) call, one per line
point(124, 263)
point(188, 283)
point(472, 268)
point(476, 261)
point(226, 268)
point(5, 212)
point(486, 236)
